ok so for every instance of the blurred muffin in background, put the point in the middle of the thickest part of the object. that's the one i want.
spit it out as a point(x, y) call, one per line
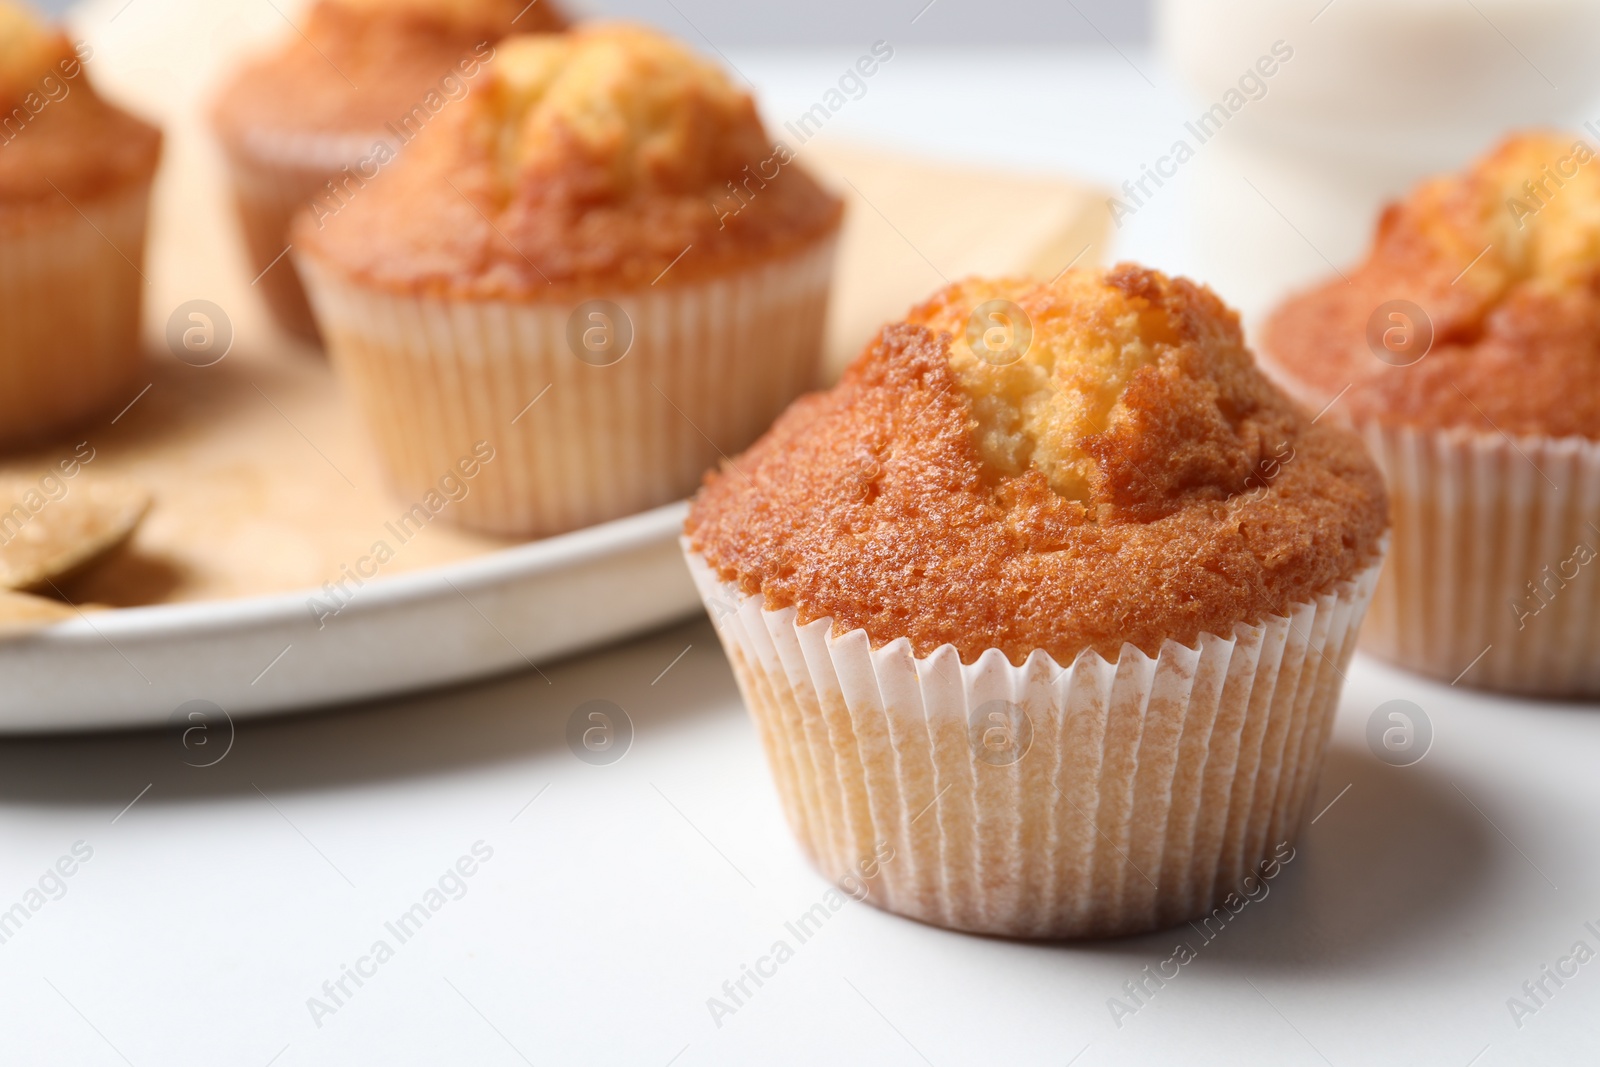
point(75, 175)
point(1466, 349)
point(567, 230)
point(1042, 612)
point(313, 120)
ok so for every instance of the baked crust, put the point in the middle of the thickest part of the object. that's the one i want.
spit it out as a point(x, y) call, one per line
point(359, 64)
point(1509, 276)
point(591, 161)
point(59, 138)
point(1214, 500)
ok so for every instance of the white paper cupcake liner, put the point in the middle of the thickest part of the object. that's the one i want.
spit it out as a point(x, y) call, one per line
point(1150, 789)
point(1495, 572)
point(70, 296)
point(274, 179)
point(712, 363)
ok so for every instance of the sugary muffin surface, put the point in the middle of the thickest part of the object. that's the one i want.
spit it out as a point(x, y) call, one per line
point(1504, 262)
point(628, 104)
point(58, 138)
point(594, 159)
point(362, 64)
point(1132, 478)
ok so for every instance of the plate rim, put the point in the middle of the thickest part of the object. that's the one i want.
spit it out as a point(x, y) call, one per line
point(550, 553)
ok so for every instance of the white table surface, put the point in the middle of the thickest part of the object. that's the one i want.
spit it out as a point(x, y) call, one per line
point(619, 898)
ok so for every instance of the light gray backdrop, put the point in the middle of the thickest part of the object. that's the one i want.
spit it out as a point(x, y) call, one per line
point(765, 22)
point(769, 22)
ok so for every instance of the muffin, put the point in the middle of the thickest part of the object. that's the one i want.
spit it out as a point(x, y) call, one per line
point(1042, 612)
point(1466, 350)
point(75, 175)
point(553, 275)
point(315, 119)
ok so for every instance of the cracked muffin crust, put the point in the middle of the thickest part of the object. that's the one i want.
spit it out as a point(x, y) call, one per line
point(1504, 260)
point(592, 158)
point(1132, 478)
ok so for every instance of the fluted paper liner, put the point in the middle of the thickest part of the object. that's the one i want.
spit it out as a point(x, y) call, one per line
point(1150, 789)
point(274, 179)
point(1494, 578)
point(70, 293)
point(712, 363)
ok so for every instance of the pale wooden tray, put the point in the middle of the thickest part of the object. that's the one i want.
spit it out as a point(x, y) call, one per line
point(264, 484)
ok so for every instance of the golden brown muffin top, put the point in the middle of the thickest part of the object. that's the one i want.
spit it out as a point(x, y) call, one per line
point(1504, 261)
point(1132, 478)
point(58, 138)
point(360, 64)
point(590, 160)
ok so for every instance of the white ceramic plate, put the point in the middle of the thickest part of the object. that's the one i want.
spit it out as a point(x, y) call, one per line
point(514, 609)
point(511, 610)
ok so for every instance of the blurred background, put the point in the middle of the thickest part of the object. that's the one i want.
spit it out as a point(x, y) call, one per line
point(1249, 144)
point(850, 21)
